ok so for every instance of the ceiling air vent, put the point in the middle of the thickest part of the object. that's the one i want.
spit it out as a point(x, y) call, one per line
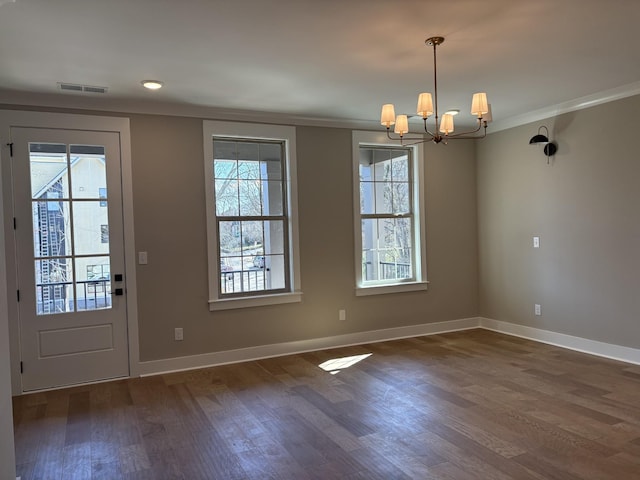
point(73, 87)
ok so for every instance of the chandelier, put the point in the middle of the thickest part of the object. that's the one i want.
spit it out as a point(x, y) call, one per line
point(479, 107)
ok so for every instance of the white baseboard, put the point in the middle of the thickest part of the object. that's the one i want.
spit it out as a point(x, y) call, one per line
point(593, 347)
point(155, 367)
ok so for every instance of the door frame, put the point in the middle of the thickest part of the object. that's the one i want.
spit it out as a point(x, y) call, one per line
point(64, 121)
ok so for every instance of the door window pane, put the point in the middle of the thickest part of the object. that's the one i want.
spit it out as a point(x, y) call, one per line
point(93, 283)
point(51, 234)
point(48, 164)
point(88, 173)
point(54, 285)
point(70, 226)
point(88, 222)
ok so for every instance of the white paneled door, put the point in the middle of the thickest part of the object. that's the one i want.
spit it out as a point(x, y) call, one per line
point(67, 190)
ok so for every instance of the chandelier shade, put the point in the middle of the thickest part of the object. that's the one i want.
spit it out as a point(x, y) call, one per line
point(479, 105)
point(388, 115)
point(446, 124)
point(402, 125)
point(425, 105)
point(428, 106)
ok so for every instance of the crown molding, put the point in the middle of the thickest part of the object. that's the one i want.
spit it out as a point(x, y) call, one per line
point(69, 101)
point(580, 103)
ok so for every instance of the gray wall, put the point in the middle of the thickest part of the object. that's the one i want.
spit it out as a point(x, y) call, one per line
point(170, 225)
point(584, 206)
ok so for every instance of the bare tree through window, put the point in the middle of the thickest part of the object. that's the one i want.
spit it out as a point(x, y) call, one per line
point(386, 213)
point(251, 220)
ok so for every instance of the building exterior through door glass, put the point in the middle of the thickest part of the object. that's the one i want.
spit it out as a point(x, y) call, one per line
point(70, 227)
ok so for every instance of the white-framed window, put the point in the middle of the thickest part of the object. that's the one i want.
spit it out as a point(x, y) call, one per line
point(252, 219)
point(389, 214)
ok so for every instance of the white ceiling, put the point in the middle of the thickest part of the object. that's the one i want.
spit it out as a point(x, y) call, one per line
point(318, 59)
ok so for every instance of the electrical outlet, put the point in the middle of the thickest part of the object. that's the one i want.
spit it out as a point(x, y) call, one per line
point(342, 315)
point(537, 309)
point(178, 334)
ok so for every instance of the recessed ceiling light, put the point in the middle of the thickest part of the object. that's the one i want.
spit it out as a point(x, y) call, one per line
point(452, 112)
point(152, 84)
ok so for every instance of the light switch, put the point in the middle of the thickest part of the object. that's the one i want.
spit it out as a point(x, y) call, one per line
point(536, 242)
point(142, 258)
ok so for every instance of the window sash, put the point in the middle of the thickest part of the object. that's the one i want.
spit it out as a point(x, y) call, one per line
point(283, 218)
point(391, 216)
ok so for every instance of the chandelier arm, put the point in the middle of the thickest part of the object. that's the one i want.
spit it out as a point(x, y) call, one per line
point(467, 136)
point(419, 142)
point(426, 129)
point(404, 138)
point(477, 129)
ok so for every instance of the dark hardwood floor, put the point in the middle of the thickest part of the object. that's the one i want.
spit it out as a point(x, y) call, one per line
point(461, 406)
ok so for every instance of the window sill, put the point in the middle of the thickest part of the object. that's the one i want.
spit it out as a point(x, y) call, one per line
point(257, 301)
point(397, 288)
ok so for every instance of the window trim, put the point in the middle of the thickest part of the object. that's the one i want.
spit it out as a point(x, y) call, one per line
point(379, 139)
point(252, 131)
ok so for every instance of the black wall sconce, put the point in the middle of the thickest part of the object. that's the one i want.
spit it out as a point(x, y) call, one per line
point(550, 148)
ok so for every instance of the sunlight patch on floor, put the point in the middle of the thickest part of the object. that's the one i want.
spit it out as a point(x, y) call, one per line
point(334, 365)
